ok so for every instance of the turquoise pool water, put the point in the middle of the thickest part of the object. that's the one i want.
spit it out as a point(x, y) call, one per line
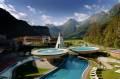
point(83, 48)
point(49, 51)
point(72, 69)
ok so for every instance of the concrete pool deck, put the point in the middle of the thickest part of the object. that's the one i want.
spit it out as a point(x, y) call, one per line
point(44, 64)
point(105, 61)
point(86, 72)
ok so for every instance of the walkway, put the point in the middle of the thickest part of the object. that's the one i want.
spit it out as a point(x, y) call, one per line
point(43, 63)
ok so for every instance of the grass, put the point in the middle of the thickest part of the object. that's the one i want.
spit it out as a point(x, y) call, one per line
point(40, 72)
point(73, 42)
point(107, 74)
point(29, 71)
point(110, 74)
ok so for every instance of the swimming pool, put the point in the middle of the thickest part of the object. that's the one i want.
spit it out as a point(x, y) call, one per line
point(84, 50)
point(72, 69)
point(49, 51)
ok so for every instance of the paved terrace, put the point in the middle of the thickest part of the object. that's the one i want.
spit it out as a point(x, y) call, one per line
point(105, 61)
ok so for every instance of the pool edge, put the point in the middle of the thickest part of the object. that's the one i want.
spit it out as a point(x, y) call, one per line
point(85, 72)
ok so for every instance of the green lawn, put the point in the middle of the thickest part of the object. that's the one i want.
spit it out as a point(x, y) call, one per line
point(73, 42)
point(40, 72)
point(28, 71)
point(107, 74)
point(110, 74)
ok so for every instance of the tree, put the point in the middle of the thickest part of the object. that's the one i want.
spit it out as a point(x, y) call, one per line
point(94, 34)
point(112, 32)
point(117, 43)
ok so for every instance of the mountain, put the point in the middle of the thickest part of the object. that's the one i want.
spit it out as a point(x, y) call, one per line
point(69, 27)
point(99, 18)
point(107, 34)
point(74, 29)
point(42, 30)
point(54, 30)
point(66, 29)
point(12, 27)
point(115, 10)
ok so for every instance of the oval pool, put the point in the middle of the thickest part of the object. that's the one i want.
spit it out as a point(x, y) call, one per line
point(49, 51)
point(84, 50)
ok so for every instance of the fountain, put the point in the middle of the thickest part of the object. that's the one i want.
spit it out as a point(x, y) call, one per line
point(54, 52)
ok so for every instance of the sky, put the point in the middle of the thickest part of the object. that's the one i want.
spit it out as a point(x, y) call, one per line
point(57, 12)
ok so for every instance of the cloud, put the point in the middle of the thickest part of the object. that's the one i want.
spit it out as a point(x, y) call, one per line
point(60, 22)
point(10, 8)
point(80, 16)
point(88, 6)
point(2, 1)
point(50, 20)
point(103, 8)
point(93, 6)
point(96, 8)
point(32, 9)
point(46, 19)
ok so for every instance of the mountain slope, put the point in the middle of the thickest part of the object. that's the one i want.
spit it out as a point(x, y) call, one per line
point(107, 34)
point(69, 27)
point(115, 10)
point(82, 27)
point(54, 30)
point(12, 27)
